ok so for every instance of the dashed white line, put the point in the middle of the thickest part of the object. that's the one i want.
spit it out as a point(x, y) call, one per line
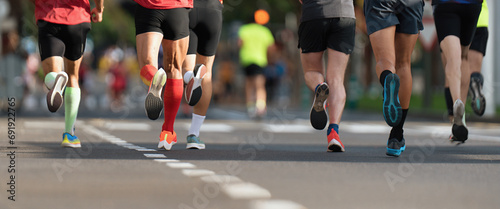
point(221, 179)
point(150, 155)
point(145, 150)
point(289, 128)
point(245, 191)
point(166, 160)
point(197, 172)
point(214, 127)
point(272, 204)
point(180, 165)
point(127, 126)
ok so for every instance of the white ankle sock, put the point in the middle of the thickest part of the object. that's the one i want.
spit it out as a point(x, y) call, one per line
point(196, 123)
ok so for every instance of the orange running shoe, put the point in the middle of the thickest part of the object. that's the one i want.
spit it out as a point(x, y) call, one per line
point(334, 143)
point(167, 140)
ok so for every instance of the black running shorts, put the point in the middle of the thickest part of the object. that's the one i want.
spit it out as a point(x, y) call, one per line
point(62, 40)
point(253, 70)
point(480, 40)
point(406, 15)
point(333, 33)
point(458, 20)
point(172, 23)
point(205, 24)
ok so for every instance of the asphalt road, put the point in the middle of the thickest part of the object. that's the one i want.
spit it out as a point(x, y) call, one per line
point(279, 162)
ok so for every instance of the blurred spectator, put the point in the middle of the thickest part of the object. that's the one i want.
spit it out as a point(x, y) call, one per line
point(254, 41)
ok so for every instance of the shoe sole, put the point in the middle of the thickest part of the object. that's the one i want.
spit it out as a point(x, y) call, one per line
point(153, 103)
point(335, 146)
point(454, 140)
point(54, 97)
point(71, 145)
point(395, 152)
point(458, 129)
point(318, 115)
point(195, 146)
point(193, 89)
point(165, 145)
point(478, 101)
point(392, 108)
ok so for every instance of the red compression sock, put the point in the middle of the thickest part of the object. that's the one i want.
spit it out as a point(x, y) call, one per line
point(171, 102)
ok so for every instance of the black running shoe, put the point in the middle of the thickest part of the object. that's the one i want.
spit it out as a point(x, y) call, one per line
point(318, 116)
point(395, 147)
point(459, 130)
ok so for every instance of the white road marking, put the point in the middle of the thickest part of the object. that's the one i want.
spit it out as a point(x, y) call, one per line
point(145, 150)
point(272, 204)
point(166, 160)
point(127, 126)
point(197, 172)
point(288, 128)
point(246, 191)
point(365, 128)
point(134, 147)
point(484, 138)
point(150, 155)
point(43, 125)
point(221, 179)
point(180, 165)
point(213, 127)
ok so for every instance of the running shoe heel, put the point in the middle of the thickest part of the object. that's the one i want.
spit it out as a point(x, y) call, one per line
point(395, 147)
point(194, 142)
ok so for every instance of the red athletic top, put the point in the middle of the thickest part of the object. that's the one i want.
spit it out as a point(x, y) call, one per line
point(67, 12)
point(165, 4)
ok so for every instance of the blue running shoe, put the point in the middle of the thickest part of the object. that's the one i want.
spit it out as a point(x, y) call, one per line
point(194, 142)
point(478, 102)
point(395, 147)
point(392, 109)
point(70, 141)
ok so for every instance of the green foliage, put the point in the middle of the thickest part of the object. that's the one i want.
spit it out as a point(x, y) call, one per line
point(117, 27)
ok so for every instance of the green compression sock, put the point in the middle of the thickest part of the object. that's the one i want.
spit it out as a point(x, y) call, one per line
point(71, 103)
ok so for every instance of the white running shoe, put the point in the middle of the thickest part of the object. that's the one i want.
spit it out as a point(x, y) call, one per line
point(55, 95)
point(153, 102)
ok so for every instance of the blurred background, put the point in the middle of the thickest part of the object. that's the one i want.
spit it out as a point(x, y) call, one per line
point(110, 73)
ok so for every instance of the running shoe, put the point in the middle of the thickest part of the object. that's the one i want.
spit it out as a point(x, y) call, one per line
point(334, 143)
point(478, 101)
point(454, 140)
point(318, 116)
point(70, 141)
point(154, 103)
point(55, 95)
point(194, 142)
point(167, 140)
point(193, 89)
point(395, 147)
point(459, 130)
point(392, 109)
